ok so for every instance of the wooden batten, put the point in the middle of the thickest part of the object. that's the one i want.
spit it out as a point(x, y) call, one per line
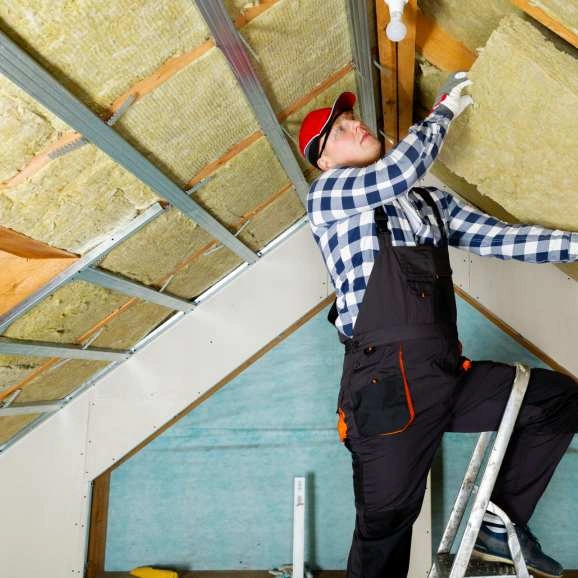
point(441, 48)
point(546, 20)
point(22, 246)
point(397, 60)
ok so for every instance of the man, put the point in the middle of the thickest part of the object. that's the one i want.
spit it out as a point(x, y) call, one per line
point(385, 244)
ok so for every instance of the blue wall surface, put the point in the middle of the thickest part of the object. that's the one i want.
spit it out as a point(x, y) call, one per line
point(214, 491)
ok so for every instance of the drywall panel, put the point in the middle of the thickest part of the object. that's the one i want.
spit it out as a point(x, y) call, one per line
point(46, 498)
point(204, 347)
point(517, 151)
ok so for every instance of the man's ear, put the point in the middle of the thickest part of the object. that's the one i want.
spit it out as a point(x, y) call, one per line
point(324, 163)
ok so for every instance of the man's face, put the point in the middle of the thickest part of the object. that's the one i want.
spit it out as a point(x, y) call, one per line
point(349, 144)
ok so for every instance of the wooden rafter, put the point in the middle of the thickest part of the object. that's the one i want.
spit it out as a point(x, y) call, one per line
point(27, 248)
point(441, 48)
point(397, 60)
point(547, 20)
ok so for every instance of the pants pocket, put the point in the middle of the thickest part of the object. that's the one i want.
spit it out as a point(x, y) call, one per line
point(381, 399)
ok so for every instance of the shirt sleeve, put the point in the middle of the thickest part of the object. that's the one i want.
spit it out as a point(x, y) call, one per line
point(343, 192)
point(475, 231)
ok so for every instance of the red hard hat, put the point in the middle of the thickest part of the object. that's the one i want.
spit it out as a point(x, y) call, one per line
point(318, 123)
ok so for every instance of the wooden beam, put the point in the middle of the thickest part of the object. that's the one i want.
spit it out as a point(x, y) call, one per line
point(388, 76)
point(21, 276)
point(547, 20)
point(441, 48)
point(406, 70)
point(98, 526)
point(27, 248)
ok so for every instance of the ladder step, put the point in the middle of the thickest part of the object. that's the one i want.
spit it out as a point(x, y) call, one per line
point(476, 569)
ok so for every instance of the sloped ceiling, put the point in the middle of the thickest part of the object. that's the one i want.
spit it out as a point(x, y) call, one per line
point(190, 118)
point(511, 154)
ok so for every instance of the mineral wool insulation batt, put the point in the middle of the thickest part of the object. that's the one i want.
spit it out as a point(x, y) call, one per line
point(517, 144)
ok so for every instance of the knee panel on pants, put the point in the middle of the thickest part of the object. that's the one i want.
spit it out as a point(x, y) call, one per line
point(377, 525)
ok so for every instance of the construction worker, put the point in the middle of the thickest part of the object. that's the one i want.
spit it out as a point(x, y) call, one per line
point(385, 244)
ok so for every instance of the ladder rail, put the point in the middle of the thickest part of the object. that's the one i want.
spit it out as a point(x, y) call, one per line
point(490, 474)
point(464, 493)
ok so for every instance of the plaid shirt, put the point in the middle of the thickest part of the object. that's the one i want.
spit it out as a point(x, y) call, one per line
point(340, 209)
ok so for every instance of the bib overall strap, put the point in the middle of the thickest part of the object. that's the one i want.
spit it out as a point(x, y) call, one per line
point(424, 194)
point(380, 220)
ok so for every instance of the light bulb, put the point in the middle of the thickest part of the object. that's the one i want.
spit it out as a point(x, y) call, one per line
point(396, 30)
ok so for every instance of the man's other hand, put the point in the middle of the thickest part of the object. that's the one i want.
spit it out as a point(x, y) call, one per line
point(450, 94)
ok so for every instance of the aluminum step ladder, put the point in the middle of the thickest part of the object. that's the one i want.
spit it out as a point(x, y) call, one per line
point(461, 564)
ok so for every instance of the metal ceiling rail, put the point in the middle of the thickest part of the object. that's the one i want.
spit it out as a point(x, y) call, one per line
point(61, 350)
point(31, 408)
point(134, 289)
point(358, 17)
point(21, 69)
point(228, 40)
point(93, 256)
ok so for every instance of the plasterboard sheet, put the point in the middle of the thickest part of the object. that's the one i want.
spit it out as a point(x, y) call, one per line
point(99, 50)
point(58, 382)
point(470, 21)
point(192, 119)
point(299, 44)
point(10, 425)
point(25, 128)
point(519, 151)
point(564, 11)
point(66, 314)
point(75, 201)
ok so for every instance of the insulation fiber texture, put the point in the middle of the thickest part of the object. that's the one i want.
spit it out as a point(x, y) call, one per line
point(75, 201)
point(11, 425)
point(470, 21)
point(192, 119)
point(518, 144)
point(14, 368)
point(66, 314)
point(25, 128)
point(60, 380)
point(299, 44)
point(99, 49)
point(564, 11)
point(153, 252)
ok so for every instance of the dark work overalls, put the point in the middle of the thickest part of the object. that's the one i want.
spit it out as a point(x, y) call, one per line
point(404, 384)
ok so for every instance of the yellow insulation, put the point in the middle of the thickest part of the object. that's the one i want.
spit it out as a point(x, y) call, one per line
point(563, 11)
point(76, 201)
point(470, 21)
point(518, 144)
point(100, 49)
point(11, 425)
point(299, 45)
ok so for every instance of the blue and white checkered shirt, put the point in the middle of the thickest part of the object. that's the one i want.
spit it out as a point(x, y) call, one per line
point(340, 209)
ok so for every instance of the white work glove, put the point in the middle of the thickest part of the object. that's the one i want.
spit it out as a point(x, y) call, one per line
point(450, 97)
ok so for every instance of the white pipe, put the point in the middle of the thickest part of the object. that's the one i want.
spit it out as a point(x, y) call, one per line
point(298, 527)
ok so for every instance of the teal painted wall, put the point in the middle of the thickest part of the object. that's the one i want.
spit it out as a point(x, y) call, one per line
point(215, 490)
